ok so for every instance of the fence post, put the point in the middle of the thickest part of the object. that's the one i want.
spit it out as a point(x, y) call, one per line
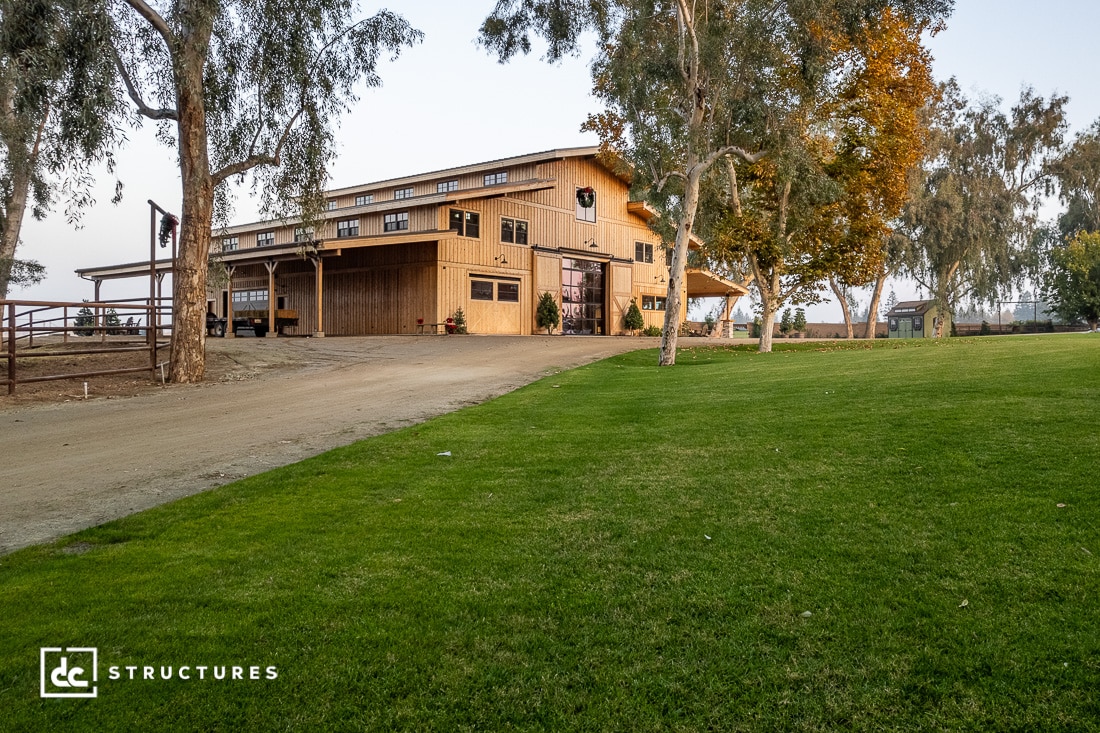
point(11, 348)
point(65, 324)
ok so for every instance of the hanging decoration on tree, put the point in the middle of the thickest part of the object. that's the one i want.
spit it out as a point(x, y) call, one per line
point(168, 224)
point(586, 197)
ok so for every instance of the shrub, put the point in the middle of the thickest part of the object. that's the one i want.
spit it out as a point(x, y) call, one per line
point(799, 323)
point(84, 318)
point(651, 331)
point(985, 330)
point(548, 315)
point(633, 320)
point(785, 322)
point(755, 328)
point(459, 318)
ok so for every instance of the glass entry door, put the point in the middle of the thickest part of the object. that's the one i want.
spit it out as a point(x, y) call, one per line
point(582, 297)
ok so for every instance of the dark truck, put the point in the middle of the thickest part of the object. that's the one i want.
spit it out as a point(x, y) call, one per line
point(255, 321)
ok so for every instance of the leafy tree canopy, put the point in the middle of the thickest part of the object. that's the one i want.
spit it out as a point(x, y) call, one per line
point(245, 86)
point(58, 116)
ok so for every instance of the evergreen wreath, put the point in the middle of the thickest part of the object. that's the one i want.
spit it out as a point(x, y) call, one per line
point(586, 197)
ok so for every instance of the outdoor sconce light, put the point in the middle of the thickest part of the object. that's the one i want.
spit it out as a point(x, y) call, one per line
point(501, 260)
point(592, 243)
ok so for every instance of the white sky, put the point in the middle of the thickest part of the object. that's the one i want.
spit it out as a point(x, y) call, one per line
point(447, 103)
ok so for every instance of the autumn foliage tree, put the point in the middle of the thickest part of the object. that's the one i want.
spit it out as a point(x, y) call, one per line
point(819, 208)
point(690, 88)
point(884, 136)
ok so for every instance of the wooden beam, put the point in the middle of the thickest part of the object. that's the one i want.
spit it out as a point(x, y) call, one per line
point(229, 270)
point(271, 265)
point(319, 267)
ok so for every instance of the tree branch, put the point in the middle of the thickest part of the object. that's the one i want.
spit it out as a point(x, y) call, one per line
point(273, 158)
point(143, 109)
point(154, 18)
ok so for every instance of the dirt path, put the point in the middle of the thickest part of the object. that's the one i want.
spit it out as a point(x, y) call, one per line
point(79, 463)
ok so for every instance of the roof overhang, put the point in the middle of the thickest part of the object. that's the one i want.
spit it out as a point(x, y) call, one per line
point(706, 284)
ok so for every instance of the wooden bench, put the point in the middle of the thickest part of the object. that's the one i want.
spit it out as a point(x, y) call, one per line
point(433, 328)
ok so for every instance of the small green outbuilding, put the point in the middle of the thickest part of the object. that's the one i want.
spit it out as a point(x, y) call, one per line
point(914, 319)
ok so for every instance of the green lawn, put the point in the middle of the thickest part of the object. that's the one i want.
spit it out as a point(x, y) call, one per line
point(623, 547)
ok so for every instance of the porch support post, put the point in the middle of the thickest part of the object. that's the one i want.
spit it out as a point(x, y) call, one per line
point(271, 302)
point(319, 268)
point(99, 313)
point(229, 270)
point(160, 291)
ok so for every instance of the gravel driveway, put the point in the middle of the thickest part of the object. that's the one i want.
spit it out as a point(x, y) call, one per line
point(80, 463)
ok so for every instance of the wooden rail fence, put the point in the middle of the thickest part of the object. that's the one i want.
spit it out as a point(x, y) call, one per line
point(55, 325)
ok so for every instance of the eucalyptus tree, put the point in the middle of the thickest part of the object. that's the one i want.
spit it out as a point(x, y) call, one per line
point(239, 87)
point(818, 209)
point(973, 214)
point(1077, 172)
point(58, 116)
point(691, 87)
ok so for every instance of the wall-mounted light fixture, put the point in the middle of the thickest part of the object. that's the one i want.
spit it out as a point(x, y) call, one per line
point(592, 243)
point(501, 260)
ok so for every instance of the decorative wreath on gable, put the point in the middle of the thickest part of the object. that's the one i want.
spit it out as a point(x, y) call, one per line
point(586, 197)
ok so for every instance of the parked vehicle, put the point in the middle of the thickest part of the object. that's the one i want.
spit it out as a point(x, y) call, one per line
point(256, 321)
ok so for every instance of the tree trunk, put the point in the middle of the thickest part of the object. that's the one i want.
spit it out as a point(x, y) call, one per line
point(872, 310)
point(840, 296)
point(21, 158)
point(943, 288)
point(14, 208)
point(674, 301)
point(189, 277)
point(768, 290)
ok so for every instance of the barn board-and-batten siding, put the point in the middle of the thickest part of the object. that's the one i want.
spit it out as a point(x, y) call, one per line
point(374, 286)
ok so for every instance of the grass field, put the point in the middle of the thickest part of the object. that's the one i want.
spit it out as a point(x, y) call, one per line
point(829, 537)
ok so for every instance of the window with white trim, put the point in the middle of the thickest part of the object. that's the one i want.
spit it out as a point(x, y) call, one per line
point(265, 239)
point(330, 205)
point(229, 244)
point(364, 199)
point(303, 234)
point(403, 193)
point(586, 195)
point(495, 179)
point(395, 222)
point(347, 228)
point(446, 186)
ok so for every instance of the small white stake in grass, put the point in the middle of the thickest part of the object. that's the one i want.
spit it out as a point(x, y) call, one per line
point(85, 390)
point(707, 536)
point(444, 453)
point(1061, 506)
point(964, 604)
point(806, 614)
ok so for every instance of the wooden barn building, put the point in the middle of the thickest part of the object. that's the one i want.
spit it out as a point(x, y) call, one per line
point(403, 255)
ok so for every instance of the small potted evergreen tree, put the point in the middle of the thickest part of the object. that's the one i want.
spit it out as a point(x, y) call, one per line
point(633, 319)
point(548, 315)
